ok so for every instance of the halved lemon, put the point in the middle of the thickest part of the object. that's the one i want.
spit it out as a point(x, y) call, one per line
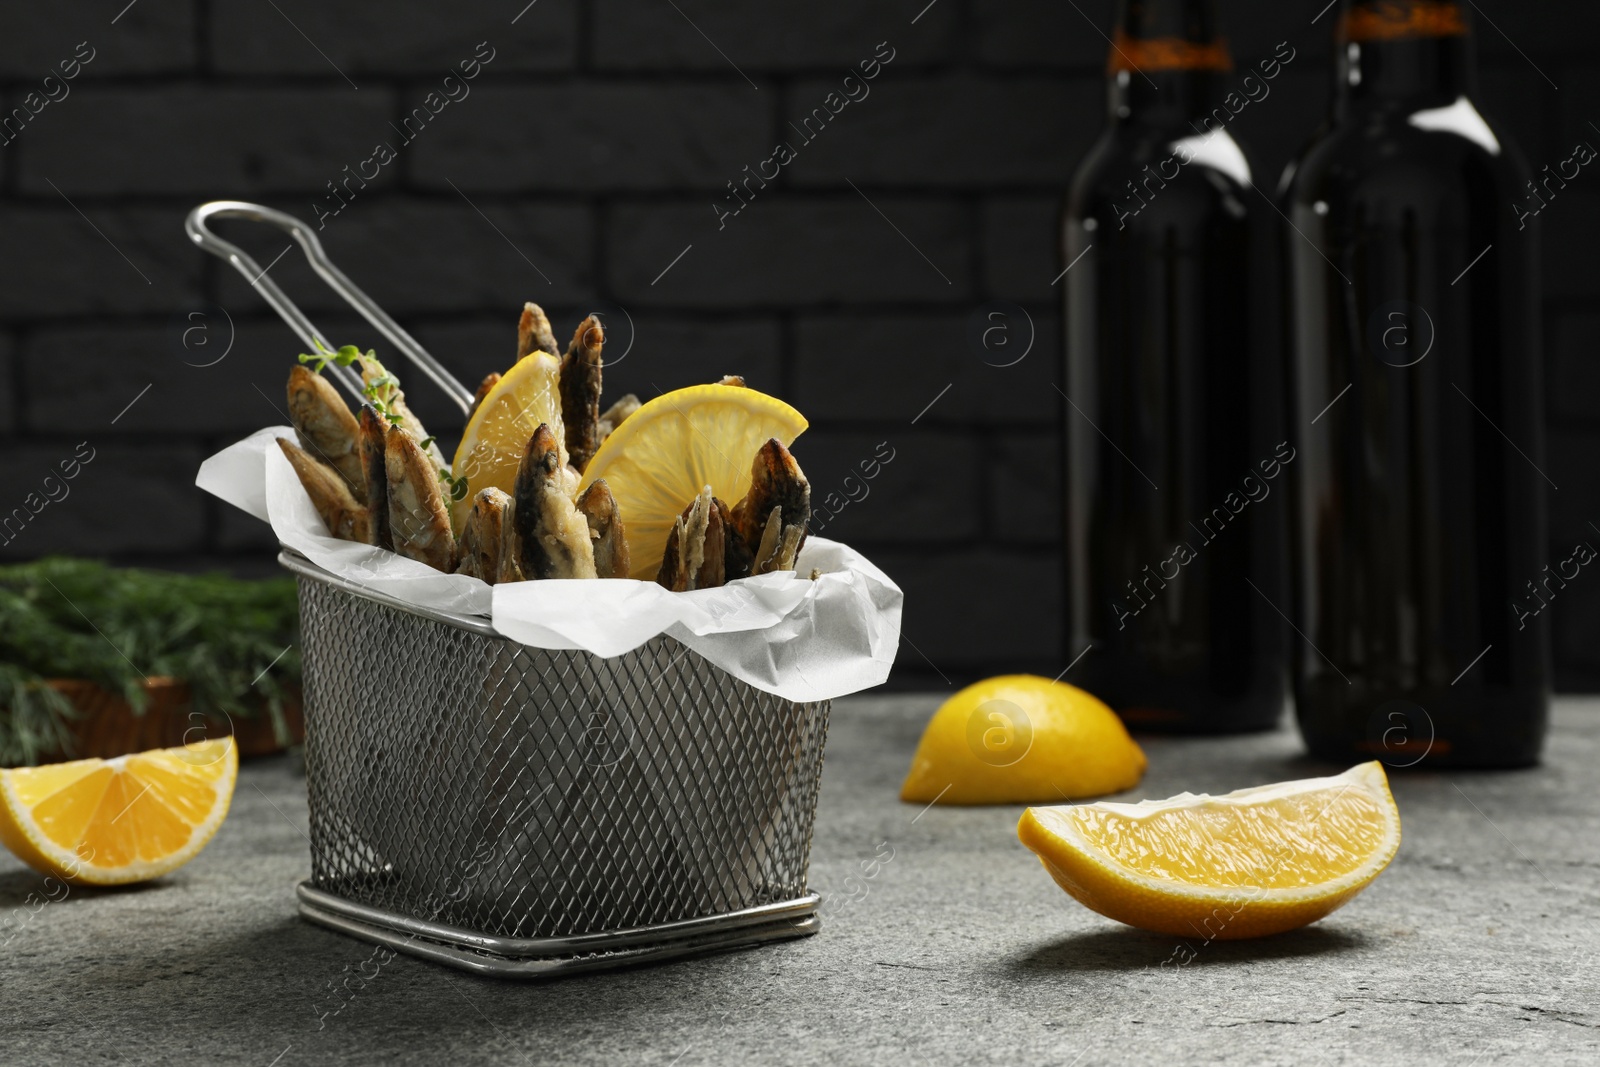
point(129, 819)
point(1246, 864)
point(1020, 739)
point(497, 435)
point(662, 455)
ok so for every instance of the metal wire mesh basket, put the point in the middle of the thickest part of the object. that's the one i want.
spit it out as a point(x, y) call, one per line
point(522, 811)
point(526, 811)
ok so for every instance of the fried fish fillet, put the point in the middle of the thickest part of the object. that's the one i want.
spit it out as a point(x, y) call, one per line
point(534, 333)
point(483, 535)
point(489, 382)
point(606, 530)
point(510, 549)
point(738, 557)
point(580, 391)
point(553, 539)
point(372, 430)
point(383, 389)
point(345, 517)
point(419, 521)
point(324, 425)
point(613, 416)
point(771, 519)
point(779, 547)
point(696, 546)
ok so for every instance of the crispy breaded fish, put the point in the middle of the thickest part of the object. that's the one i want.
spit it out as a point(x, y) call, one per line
point(510, 549)
point(612, 417)
point(580, 391)
point(419, 521)
point(478, 551)
point(534, 333)
point(606, 530)
point(324, 425)
point(553, 538)
point(383, 389)
point(489, 382)
point(779, 547)
point(372, 429)
point(696, 546)
point(771, 519)
point(345, 517)
point(738, 557)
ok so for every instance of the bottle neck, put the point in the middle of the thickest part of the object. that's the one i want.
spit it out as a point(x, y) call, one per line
point(1412, 53)
point(1167, 61)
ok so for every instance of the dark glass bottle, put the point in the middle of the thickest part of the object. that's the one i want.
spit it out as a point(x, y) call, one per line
point(1171, 475)
point(1417, 524)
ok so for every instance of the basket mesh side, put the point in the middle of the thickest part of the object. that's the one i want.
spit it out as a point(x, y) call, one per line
point(522, 792)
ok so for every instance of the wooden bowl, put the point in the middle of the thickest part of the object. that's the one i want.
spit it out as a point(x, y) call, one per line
point(106, 726)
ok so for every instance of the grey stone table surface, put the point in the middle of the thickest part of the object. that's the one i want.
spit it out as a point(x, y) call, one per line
point(1479, 945)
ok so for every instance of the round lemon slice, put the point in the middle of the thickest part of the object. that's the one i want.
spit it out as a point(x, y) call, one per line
point(1246, 864)
point(111, 822)
point(497, 433)
point(662, 455)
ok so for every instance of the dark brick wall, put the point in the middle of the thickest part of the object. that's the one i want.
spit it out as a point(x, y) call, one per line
point(583, 161)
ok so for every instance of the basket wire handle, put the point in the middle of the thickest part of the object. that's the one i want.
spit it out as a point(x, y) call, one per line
point(199, 231)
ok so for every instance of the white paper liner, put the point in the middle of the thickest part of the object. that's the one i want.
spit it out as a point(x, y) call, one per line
point(797, 638)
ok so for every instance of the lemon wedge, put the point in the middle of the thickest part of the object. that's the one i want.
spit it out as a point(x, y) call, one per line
point(129, 819)
point(497, 434)
point(662, 455)
point(1246, 864)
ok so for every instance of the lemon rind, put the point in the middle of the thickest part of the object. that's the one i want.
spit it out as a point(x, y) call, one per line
point(1055, 821)
point(65, 861)
point(743, 396)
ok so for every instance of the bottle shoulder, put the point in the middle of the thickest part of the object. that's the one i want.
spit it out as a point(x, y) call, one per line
point(1385, 151)
point(1131, 167)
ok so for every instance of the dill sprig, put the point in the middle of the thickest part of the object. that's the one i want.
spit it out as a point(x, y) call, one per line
point(380, 390)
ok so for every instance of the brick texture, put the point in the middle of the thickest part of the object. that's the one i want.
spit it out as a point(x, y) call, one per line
point(198, 139)
point(891, 488)
point(988, 133)
point(94, 258)
point(782, 250)
point(896, 279)
point(726, 35)
point(128, 498)
point(146, 39)
point(628, 136)
point(366, 42)
point(8, 400)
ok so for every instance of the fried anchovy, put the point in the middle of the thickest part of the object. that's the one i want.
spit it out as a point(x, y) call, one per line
point(771, 519)
point(732, 379)
point(341, 512)
point(419, 521)
point(606, 530)
point(737, 557)
point(534, 333)
point(488, 383)
point(481, 537)
point(554, 538)
point(696, 547)
point(324, 425)
point(383, 389)
point(779, 546)
point(580, 391)
point(373, 428)
point(510, 549)
point(613, 416)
